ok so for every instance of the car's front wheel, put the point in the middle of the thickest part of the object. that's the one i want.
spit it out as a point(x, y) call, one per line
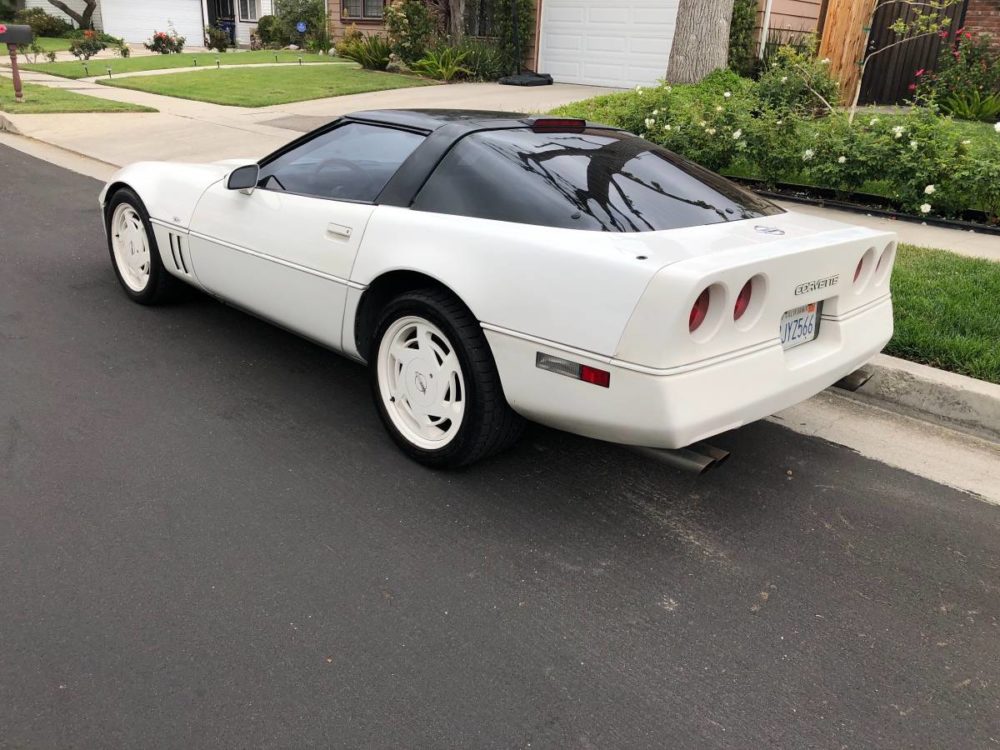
point(435, 383)
point(134, 253)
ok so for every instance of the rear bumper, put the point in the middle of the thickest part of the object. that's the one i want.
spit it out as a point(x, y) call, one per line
point(672, 409)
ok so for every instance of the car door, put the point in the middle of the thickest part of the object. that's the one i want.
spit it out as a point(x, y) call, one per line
point(285, 251)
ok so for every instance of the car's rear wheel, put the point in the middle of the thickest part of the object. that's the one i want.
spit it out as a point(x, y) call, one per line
point(435, 383)
point(134, 253)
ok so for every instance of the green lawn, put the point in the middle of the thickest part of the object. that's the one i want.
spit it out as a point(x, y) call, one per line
point(47, 43)
point(260, 87)
point(73, 69)
point(947, 312)
point(46, 100)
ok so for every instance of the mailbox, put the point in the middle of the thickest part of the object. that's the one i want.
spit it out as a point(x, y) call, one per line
point(16, 34)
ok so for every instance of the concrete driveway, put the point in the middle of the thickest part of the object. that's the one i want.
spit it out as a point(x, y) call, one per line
point(183, 130)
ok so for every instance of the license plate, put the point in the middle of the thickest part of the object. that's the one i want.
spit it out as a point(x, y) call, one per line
point(799, 325)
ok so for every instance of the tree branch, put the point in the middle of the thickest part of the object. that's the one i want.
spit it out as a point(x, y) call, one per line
point(897, 43)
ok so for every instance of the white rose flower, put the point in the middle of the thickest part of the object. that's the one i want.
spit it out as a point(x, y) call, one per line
point(656, 112)
point(650, 122)
point(718, 109)
point(873, 121)
point(784, 79)
point(666, 127)
point(914, 145)
point(966, 142)
point(997, 127)
point(898, 131)
point(728, 94)
point(710, 131)
point(825, 61)
point(702, 124)
point(778, 122)
point(638, 89)
point(808, 155)
point(925, 208)
point(737, 134)
point(929, 190)
point(842, 160)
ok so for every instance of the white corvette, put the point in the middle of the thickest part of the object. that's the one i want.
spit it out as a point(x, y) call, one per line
point(494, 267)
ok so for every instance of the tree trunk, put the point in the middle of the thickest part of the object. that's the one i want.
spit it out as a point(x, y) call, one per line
point(85, 18)
point(456, 18)
point(701, 39)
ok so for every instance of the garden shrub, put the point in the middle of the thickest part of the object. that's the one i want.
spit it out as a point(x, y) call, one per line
point(7, 12)
point(166, 42)
point(796, 80)
point(42, 23)
point(966, 81)
point(290, 13)
point(411, 26)
point(89, 45)
point(370, 52)
point(271, 31)
point(743, 37)
point(483, 58)
point(503, 29)
point(217, 39)
point(443, 63)
point(919, 160)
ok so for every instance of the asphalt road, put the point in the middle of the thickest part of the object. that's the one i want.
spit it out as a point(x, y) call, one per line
point(206, 541)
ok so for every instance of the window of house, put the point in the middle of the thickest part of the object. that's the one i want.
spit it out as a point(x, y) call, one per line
point(352, 162)
point(249, 10)
point(362, 9)
point(224, 9)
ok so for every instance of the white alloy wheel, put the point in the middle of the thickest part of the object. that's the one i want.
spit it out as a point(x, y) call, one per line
point(131, 247)
point(421, 383)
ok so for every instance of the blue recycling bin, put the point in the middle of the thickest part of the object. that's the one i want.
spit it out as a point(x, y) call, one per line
point(230, 28)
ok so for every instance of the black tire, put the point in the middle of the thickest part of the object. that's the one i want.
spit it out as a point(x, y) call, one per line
point(488, 425)
point(161, 286)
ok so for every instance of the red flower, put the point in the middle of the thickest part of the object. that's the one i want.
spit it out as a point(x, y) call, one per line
point(912, 87)
point(943, 34)
point(919, 73)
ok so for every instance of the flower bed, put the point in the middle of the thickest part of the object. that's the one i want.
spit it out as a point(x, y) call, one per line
point(781, 129)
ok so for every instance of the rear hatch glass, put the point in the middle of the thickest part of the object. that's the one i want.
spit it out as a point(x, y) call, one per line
point(599, 180)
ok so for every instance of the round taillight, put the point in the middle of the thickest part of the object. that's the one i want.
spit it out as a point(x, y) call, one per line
point(857, 271)
point(743, 300)
point(699, 310)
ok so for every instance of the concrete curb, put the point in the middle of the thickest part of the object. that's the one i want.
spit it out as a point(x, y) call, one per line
point(955, 401)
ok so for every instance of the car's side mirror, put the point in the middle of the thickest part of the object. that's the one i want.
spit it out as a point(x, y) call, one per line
point(244, 179)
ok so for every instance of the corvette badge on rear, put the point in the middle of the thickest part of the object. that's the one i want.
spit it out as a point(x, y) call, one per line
point(492, 268)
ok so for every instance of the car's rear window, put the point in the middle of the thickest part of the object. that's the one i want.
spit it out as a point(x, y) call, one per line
point(601, 180)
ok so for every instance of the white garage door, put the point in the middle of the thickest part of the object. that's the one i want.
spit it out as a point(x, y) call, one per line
point(136, 21)
point(607, 42)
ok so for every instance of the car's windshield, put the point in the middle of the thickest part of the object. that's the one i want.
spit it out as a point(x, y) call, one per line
point(600, 180)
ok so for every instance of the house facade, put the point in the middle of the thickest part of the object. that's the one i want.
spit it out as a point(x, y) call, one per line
point(136, 20)
point(619, 43)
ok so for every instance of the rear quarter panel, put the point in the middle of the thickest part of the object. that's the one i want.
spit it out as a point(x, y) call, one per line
point(575, 288)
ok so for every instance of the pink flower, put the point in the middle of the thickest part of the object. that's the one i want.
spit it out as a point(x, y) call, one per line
point(919, 73)
point(912, 87)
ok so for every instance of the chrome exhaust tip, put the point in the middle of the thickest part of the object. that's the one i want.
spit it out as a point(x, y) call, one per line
point(696, 459)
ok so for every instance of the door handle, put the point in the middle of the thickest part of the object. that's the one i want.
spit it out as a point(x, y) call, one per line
point(339, 230)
